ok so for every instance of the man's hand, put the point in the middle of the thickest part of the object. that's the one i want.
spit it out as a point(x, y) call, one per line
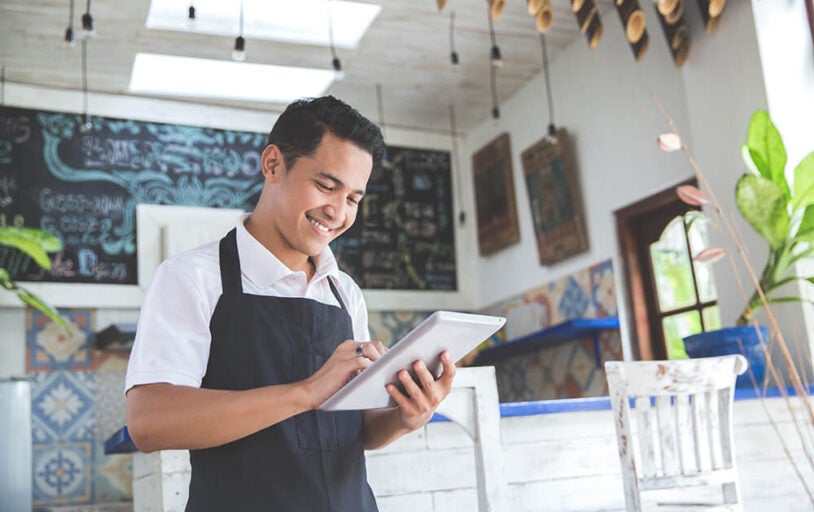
point(348, 360)
point(417, 403)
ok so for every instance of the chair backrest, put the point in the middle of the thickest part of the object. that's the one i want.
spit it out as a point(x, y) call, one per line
point(679, 431)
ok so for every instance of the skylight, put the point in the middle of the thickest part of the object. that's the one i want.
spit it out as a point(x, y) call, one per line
point(295, 21)
point(222, 79)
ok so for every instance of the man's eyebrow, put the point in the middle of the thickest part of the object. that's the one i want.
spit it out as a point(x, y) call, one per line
point(338, 182)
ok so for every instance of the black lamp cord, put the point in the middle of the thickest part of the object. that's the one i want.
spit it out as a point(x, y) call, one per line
point(551, 128)
point(453, 131)
point(241, 18)
point(331, 31)
point(453, 54)
point(380, 105)
point(70, 15)
point(85, 78)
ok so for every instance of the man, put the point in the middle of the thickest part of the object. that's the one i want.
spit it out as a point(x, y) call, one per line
point(240, 341)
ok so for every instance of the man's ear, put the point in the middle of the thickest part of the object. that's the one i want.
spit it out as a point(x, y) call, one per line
point(272, 163)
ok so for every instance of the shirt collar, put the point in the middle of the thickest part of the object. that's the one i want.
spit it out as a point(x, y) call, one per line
point(264, 269)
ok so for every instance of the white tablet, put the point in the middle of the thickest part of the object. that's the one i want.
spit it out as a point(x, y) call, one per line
point(458, 333)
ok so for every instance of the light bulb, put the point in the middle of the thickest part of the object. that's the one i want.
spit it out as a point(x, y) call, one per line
point(239, 53)
point(453, 58)
point(191, 17)
point(339, 72)
point(86, 126)
point(88, 26)
point(497, 58)
point(70, 37)
point(495, 113)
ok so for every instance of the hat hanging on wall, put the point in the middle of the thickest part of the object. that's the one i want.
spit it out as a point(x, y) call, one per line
point(543, 15)
point(588, 21)
point(634, 25)
point(675, 30)
point(711, 13)
point(496, 8)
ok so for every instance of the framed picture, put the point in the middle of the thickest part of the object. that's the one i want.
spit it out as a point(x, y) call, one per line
point(555, 199)
point(494, 196)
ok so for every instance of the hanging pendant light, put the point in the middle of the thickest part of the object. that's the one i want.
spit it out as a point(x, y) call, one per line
point(495, 56)
point(86, 125)
point(70, 36)
point(192, 18)
point(87, 22)
point(335, 62)
point(552, 130)
point(453, 54)
point(239, 53)
point(453, 133)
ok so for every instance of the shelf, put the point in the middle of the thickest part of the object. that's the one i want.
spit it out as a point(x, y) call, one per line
point(548, 337)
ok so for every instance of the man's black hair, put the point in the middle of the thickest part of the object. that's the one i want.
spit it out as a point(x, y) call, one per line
point(300, 128)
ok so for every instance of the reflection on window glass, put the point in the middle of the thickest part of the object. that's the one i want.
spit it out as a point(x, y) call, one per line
point(671, 267)
point(697, 233)
point(676, 327)
point(712, 318)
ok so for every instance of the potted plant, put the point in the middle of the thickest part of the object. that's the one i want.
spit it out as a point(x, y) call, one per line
point(783, 214)
point(36, 244)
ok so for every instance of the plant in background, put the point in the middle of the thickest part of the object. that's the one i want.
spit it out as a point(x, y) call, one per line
point(782, 214)
point(784, 217)
point(36, 244)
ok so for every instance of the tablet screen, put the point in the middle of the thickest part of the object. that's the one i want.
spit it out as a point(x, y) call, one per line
point(458, 333)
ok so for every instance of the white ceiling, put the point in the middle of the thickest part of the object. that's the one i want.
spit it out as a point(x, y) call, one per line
point(406, 50)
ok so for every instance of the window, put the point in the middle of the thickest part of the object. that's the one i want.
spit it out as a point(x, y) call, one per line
point(669, 295)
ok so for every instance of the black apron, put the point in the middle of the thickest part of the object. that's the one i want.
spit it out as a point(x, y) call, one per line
point(312, 462)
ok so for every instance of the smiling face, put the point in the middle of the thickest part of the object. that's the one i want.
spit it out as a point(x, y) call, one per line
point(305, 207)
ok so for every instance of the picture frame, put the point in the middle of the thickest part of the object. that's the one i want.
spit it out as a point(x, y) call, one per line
point(495, 202)
point(555, 199)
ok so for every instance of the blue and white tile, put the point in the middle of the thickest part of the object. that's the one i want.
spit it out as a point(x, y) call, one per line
point(63, 406)
point(603, 289)
point(50, 347)
point(573, 301)
point(582, 365)
point(112, 475)
point(62, 473)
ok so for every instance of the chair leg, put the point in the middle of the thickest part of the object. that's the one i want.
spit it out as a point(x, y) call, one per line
point(730, 493)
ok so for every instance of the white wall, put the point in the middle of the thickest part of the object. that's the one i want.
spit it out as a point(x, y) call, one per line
point(604, 99)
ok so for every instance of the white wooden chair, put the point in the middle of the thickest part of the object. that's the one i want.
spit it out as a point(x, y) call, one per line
point(679, 432)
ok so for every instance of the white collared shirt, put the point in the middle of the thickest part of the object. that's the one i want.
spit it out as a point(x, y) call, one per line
point(172, 338)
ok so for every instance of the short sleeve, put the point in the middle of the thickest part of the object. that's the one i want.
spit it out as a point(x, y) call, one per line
point(172, 337)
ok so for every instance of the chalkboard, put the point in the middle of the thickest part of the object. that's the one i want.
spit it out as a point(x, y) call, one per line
point(404, 236)
point(84, 187)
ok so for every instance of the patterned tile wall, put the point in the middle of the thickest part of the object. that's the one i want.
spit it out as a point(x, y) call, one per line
point(567, 370)
point(76, 403)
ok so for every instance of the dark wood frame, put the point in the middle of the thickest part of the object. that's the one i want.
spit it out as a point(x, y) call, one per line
point(498, 226)
point(541, 162)
point(638, 281)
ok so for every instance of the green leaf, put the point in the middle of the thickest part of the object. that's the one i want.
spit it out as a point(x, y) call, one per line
point(762, 203)
point(803, 183)
point(805, 231)
point(35, 302)
point(5, 280)
point(767, 150)
point(36, 243)
point(750, 159)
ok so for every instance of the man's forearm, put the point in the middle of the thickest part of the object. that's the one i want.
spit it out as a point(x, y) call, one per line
point(165, 416)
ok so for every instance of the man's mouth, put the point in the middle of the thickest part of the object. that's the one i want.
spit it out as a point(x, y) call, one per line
point(319, 225)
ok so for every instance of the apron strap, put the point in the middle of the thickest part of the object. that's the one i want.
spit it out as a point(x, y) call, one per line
point(230, 264)
point(336, 294)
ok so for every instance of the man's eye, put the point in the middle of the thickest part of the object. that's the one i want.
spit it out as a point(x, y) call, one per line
point(325, 187)
point(353, 201)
